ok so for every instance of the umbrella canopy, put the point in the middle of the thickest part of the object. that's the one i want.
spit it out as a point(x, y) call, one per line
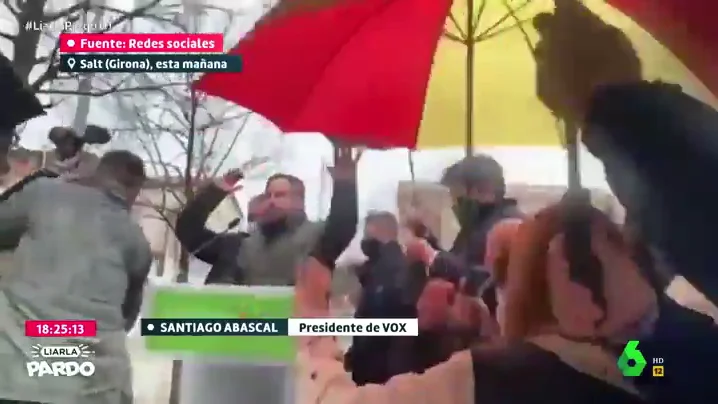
point(429, 73)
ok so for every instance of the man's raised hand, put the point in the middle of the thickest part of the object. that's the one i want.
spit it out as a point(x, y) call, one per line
point(230, 180)
point(345, 162)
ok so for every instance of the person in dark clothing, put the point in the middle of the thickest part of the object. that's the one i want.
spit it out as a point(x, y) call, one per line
point(552, 349)
point(270, 254)
point(635, 129)
point(205, 244)
point(478, 189)
point(658, 148)
point(386, 292)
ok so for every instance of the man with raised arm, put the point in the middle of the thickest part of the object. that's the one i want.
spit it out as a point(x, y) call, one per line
point(283, 237)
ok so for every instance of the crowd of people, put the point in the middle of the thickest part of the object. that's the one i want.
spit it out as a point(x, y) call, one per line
point(521, 309)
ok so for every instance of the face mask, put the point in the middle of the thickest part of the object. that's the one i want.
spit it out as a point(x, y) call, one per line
point(370, 247)
point(469, 210)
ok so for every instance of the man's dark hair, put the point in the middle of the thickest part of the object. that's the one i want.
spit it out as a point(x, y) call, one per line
point(472, 171)
point(295, 182)
point(123, 166)
point(385, 217)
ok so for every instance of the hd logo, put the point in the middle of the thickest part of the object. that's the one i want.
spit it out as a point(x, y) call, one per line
point(632, 363)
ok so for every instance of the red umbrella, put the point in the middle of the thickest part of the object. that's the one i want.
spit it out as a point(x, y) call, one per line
point(688, 28)
point(369, 71)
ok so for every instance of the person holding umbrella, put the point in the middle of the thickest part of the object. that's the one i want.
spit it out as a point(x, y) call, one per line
point(670, 205)
point(657, 144)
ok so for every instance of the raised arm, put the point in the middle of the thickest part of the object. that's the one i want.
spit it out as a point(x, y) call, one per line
point(191, 229)
point(341, 224)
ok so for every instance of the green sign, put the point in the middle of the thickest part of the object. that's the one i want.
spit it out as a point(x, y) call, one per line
point(631, 353)
point(215, 301)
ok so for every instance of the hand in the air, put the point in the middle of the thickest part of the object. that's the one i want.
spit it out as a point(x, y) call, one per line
point(578, 52)
point(345, 162)
point(230, 180)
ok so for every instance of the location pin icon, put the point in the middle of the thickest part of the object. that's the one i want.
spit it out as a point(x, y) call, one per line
point(71, 63)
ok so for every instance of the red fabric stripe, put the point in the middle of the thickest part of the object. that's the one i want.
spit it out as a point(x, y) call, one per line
point(688, 27)
point(342, 93)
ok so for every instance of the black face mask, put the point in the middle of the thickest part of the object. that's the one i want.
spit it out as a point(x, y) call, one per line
point(469, 210)
point(371, 247)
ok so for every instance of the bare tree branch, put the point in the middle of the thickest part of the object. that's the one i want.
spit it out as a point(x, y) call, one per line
point(29, 14)
point(112, 90)
point(81, 6)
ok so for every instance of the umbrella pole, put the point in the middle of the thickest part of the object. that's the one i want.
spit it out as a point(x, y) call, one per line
point(584, 268)
point(470, 78)
point(571, 132)
point(414, 197)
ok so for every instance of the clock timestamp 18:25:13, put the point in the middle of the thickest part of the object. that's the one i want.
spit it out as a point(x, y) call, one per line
point(60, 328)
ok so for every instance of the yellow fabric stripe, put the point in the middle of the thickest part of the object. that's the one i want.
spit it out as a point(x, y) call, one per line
point(506, 110)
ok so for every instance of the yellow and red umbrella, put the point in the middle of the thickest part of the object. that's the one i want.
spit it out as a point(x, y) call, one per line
point(437, 73)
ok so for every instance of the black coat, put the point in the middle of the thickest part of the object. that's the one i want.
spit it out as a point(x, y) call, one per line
point(659, 149)
point(218, 250)
point(385, 293)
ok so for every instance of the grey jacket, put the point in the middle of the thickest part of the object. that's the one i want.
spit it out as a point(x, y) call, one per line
point(79, 255)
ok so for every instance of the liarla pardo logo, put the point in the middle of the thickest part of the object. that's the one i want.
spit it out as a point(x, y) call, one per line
point(61, 360)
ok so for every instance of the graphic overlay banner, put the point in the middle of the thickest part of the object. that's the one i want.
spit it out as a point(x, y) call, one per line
point(61, 360)
point(141, 43)
point(222, 302)
point(295, 327)
point(154, 63)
